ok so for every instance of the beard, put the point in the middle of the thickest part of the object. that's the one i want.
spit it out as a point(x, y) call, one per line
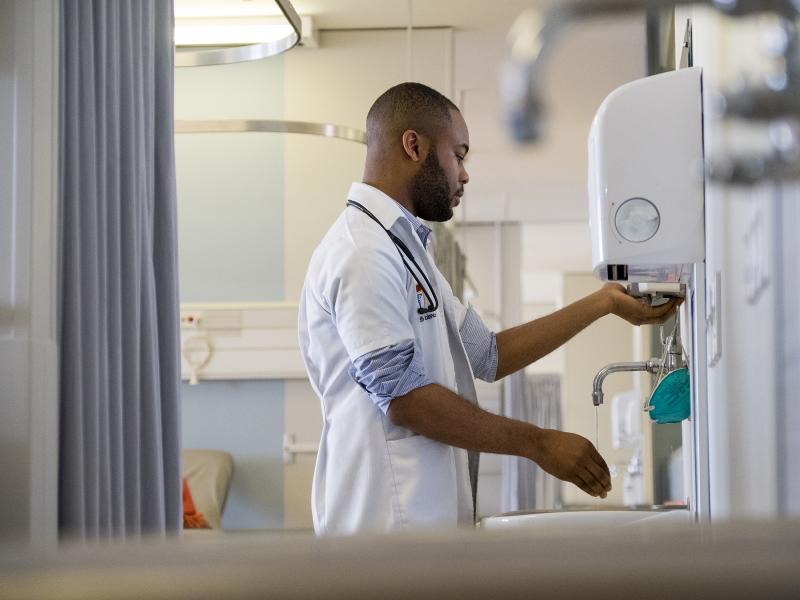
point(430, 192)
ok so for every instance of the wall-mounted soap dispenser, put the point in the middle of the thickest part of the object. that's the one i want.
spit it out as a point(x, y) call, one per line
point(646, 211)
point(645, 180)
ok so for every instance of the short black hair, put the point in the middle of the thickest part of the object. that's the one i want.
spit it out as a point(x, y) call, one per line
point(408, 106)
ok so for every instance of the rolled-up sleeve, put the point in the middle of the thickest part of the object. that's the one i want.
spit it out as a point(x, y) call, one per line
point(390, 372)
point(481, 346)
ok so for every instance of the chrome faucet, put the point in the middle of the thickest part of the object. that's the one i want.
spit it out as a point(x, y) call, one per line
point(651, 366)
point(672, 359)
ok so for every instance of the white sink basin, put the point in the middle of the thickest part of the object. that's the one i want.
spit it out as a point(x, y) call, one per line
point(559, 520)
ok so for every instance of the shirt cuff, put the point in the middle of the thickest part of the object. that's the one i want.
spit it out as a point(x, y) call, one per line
point(481, 346)
point(390, 372)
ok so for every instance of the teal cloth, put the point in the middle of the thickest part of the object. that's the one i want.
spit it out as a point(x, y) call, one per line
point(670, 401)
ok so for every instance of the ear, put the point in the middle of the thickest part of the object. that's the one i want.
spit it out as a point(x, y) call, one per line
point(414, 145)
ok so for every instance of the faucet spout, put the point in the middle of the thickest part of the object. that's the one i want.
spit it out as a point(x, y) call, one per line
point(651, 366)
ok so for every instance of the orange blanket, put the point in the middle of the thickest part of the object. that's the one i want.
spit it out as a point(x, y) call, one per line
point(191, 518)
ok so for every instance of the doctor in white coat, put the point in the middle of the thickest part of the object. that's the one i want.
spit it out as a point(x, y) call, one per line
point(392, 354)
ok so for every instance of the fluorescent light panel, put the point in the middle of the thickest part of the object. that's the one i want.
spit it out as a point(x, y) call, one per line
point(225, 31)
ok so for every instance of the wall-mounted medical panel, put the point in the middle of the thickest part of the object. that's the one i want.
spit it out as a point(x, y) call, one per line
point(255, 340)
point(645, 179)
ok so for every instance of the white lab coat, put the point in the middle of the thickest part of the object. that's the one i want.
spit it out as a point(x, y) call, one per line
point(372, 475)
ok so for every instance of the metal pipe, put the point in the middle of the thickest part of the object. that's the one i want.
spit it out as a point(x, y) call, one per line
point(350, 134)
point(534, 33)
point(651, 366)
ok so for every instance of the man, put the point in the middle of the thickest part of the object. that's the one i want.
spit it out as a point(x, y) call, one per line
point(392, 353)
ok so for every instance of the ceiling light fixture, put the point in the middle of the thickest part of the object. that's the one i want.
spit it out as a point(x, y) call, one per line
point(249, 38)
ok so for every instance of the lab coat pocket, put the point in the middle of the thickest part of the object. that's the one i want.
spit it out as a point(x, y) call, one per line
point(424, 482)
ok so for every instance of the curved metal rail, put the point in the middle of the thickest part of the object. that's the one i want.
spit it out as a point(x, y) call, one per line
point(351, 134)
point(225, 56)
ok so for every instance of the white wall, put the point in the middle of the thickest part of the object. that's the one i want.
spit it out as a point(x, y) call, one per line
point(303, 422)
point(231, 186)
point(28, 217)
point(549, 251)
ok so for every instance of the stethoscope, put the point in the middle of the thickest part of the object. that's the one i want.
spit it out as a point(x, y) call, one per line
point(402, 249)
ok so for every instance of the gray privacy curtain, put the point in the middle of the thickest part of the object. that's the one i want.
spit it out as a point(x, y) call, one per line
point(119, 337)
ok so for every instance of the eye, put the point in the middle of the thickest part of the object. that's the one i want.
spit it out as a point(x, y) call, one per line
point(460, 158)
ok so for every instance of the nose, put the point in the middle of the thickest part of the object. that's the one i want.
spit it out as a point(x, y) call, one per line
point(464, 177)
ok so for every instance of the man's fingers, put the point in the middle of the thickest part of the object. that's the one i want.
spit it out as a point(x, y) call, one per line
point(601, 475)
point(659, 312)
point(639, 312)
point(599, 467)
point(670, 306)
point(583, 485)
point(594, 472)
point(599, 460)
point(664, 308)
point(589, 484)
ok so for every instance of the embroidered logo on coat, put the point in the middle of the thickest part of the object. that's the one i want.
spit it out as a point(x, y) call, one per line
point(421, 302)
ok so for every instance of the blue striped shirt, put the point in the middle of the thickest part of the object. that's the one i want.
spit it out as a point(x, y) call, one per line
point(393, 371)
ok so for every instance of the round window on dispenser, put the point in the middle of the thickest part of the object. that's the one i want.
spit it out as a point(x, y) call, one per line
point(637, 220)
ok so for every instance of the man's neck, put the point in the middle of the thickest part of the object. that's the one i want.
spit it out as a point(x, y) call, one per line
point(395, 192)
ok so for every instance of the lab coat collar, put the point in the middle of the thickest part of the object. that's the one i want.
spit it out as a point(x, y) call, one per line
point(379, 204)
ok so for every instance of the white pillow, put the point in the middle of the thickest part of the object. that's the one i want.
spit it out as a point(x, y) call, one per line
point(209, 475)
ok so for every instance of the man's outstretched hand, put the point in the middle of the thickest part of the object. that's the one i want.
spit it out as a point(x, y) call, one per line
point(573, 458)
point(637, 311)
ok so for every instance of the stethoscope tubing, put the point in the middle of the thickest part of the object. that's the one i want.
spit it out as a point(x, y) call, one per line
point(401, 250)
